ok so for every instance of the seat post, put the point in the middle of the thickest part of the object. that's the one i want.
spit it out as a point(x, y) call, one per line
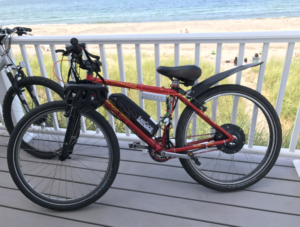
point(175, 83)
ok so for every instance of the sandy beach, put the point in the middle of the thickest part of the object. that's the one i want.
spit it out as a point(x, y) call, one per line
point(278, 24)
point(229, 51)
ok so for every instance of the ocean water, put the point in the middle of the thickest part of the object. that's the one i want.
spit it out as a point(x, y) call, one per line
point(19, 12)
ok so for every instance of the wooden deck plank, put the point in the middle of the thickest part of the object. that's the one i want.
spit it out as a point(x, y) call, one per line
point(16, 218)
point(197, 192)
point(178, 174)
point(103, 214)
point(243, 199)
point(166, 189)
point(203, 211)
point(149, 204)
point(170, 173)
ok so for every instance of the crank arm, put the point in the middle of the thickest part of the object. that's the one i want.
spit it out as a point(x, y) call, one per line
point(190, 156)
point(175, 155)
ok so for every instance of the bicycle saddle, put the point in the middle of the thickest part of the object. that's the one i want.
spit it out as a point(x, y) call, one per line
point(186, 73)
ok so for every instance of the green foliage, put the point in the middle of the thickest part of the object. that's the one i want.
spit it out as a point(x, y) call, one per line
point(291, 99)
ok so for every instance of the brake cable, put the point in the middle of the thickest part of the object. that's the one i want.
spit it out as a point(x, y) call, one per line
point(88, 55)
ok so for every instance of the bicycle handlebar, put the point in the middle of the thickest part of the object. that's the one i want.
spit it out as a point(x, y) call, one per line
point(76, 49)
point(20, 30)
point(27, 29)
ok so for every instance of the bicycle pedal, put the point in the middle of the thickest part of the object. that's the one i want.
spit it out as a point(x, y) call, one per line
point(137, 145)
point(194, 159)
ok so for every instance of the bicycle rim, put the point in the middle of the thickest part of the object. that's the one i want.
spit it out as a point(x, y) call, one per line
point(227, 166)
point(74, 180)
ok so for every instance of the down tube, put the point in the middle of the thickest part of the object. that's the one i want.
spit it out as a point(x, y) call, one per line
point(151, 142)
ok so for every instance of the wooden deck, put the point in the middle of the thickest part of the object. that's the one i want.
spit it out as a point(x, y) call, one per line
point(147, 194)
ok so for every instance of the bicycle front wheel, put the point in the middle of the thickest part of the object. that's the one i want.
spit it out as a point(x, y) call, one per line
point(246, 115)
point(75, 182)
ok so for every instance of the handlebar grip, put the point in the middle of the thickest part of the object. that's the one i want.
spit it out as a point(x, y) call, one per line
point(27, 29)
point(59, 51)
point(77, 48)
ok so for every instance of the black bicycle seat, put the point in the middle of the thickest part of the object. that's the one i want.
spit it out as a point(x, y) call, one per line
point(186, 73)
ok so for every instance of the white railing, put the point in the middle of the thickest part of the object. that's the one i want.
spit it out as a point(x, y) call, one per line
point(176, 39)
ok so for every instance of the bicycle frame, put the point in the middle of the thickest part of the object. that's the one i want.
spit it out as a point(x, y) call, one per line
point(199, 144)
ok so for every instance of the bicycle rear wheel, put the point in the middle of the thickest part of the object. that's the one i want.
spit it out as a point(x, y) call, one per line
point(246, 115)
point(75, 182)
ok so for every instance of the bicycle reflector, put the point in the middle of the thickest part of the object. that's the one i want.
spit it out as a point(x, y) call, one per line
point(85, 95)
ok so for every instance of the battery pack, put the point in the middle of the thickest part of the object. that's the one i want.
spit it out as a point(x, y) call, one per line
point(135, 113)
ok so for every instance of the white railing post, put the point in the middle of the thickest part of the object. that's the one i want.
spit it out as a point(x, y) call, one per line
point(44, 74)
point(217, 70)
point(4, 86)
point(176, 63)
point(43, 70)
point(197, 63)
point(260, 81)
point(295, 134)
point(17, 111)
point(157, 82)
point(56, 67)
point(139, 72)
point(284, 77)
point(237, 81)
point(106, 77)
point(140, 79)
point(122, 76)
point(26, 61)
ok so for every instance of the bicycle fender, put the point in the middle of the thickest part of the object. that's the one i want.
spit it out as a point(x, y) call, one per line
point(198, 89)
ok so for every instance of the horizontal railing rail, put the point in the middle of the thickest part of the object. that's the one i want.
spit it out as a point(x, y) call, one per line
point(233, 37)
point(198, 39)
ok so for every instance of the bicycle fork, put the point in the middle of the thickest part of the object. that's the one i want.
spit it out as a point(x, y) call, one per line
point(19, 92)
point(71, 134)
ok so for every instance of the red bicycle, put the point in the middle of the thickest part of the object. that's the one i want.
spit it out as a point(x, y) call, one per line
point(228, 137)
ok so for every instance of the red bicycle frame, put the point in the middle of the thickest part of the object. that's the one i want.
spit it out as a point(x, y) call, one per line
point(164, 91)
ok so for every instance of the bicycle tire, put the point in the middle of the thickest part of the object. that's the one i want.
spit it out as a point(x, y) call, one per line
point(75, 182)
point(8, 101)
point(268, 133)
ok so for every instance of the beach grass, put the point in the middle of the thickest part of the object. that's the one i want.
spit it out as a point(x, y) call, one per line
point(291, 99)
point(270, 86)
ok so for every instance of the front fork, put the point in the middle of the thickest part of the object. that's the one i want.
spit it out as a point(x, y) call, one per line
point(19, 92)
point(71, 134)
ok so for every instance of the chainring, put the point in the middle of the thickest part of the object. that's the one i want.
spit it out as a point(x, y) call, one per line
point(156, 156)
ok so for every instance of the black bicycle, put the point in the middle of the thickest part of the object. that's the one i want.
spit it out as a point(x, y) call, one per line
point(26, 92)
